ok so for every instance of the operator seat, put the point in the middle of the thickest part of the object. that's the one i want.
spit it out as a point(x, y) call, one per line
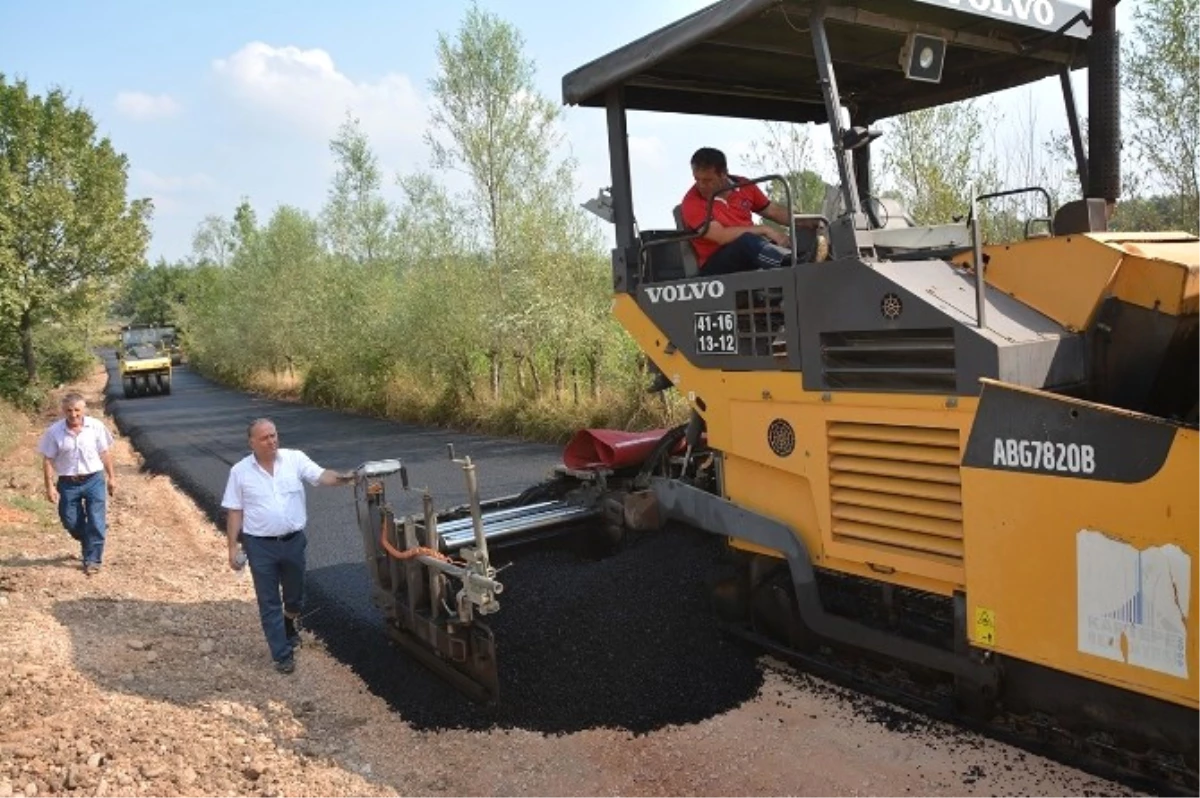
point(691, 266)
point(1081, 216)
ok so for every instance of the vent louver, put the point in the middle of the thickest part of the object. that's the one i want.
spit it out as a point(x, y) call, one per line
point(897, 487)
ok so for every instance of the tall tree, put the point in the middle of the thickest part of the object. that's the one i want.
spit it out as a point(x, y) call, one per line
point(214, 241)
point(69, 230)
point(490, 123)
point(500, 129)
point(245, 225)
point(356, 217)
point(1162, 83)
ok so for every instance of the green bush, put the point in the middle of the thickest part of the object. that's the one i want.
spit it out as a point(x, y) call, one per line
point(62, 359)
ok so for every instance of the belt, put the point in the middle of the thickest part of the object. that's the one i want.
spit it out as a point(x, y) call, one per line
point(278, 538)
point(79, 477)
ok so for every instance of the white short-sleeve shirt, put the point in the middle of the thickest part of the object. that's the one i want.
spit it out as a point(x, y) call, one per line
point(76, 453)
point(271, 505)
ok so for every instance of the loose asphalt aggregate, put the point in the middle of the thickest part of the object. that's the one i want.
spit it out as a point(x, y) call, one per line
point(626, 640)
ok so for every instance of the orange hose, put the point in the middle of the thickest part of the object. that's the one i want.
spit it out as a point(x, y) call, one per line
point(408, 554)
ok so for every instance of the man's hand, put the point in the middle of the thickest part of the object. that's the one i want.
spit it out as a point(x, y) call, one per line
point(110, 471)
point(48, 477)
point(336, 477)
point(775, 236)
point(233, 527)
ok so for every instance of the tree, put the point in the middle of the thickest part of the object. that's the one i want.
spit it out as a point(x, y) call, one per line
point(214, 241)
point(500, 132)
point(935, 157)
point(356, 217)
point(153, 295)
point(500, 129)
point(1162, 83)
point(69, 232)
point(245, 225)
point(786, 149)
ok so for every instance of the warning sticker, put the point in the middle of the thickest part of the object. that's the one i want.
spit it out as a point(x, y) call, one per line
point(1132, 602)
point(985, 626)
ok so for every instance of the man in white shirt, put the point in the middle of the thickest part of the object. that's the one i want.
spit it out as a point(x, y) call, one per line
point(76, 452)
point(267, 513)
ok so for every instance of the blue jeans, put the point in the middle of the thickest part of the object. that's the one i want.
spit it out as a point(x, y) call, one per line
point(747, 252)
point(277, 568)
point(82, 510)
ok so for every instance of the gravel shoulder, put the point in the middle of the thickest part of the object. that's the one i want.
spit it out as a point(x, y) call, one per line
point(149, 679)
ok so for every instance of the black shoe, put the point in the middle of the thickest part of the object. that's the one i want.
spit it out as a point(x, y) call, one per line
point(286, 666)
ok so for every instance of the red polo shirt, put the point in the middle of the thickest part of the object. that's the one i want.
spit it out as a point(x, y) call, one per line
point(731, 209)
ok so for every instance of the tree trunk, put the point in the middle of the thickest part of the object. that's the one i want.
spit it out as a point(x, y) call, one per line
point(575, 383)
point(558, 376)
point(27, 354)
point(594, 374)
point(494, 360)
point(519, 359)
point(468, 384)
point(537, 379)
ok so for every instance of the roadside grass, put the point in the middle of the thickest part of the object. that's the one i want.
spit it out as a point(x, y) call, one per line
point(546, 419)
point(286, 386)
point(549, 418)
point(17, 510)
point(13, 424)
point(44, 512)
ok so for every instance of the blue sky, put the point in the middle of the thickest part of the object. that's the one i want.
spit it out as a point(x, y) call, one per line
point(215, 101)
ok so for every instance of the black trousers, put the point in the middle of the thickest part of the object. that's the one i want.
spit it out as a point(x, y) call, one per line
point(748, 252)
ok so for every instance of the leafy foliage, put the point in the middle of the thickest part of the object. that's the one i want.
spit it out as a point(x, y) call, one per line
point(409, 310)
point(935, 158)
point(787, 150)
point(1161, 72)
point(68, 233)
point(154, 294)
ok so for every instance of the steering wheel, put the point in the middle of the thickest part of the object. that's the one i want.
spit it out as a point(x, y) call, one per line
point(880, 211)
point(877, 212)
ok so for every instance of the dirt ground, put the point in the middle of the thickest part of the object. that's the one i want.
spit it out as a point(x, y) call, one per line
point(151, 678)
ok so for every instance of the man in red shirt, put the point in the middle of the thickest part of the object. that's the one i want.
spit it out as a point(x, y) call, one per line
point(732, 243)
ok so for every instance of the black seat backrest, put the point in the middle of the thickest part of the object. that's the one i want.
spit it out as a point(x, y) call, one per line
point(1081, 216)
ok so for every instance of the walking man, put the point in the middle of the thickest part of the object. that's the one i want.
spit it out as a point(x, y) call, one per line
point(267, 513)
point(77, 458)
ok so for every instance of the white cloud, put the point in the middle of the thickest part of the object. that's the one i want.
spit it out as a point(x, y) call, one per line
point(304, 88)
point(141, 106)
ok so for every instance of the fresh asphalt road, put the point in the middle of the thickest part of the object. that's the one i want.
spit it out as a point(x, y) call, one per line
point(199, 431)
point(569, 628)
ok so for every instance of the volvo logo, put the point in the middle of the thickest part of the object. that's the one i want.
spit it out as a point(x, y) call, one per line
point(710, 289)
point(1039, 12)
